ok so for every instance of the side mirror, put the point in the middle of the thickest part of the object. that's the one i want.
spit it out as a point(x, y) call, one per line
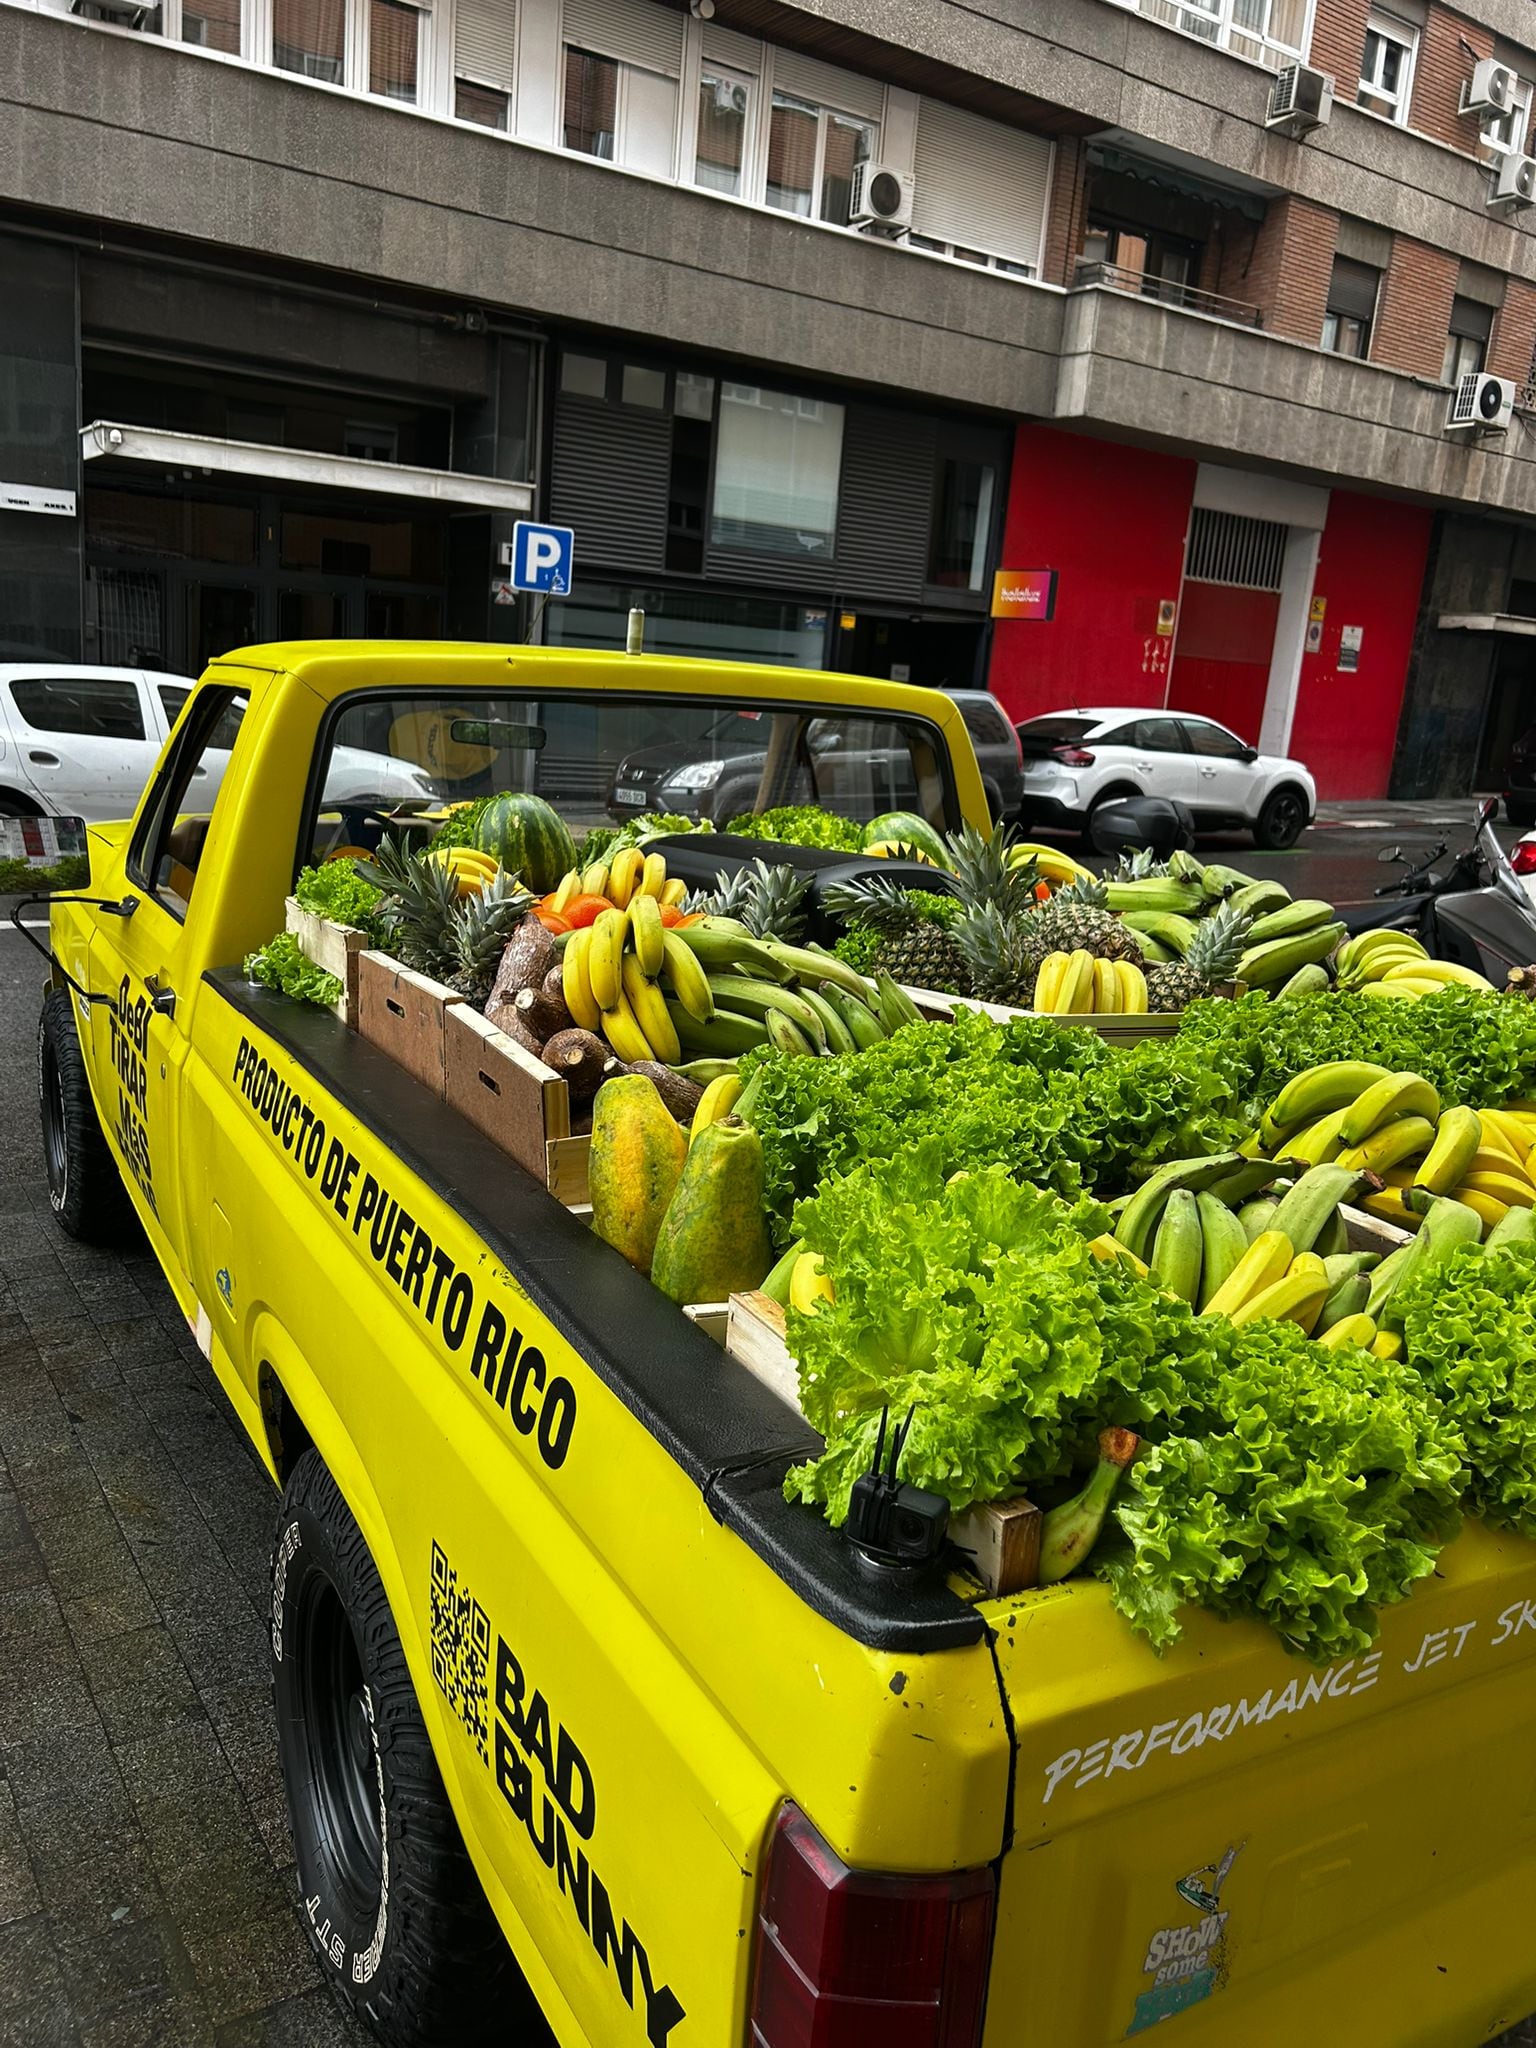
point(1389, 854)
point(1250, 754)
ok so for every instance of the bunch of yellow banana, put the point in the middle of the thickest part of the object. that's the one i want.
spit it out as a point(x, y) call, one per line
point(1076, 984)
point(1055, 867)
point(610, 974)
point(1394, 964)
point(471, 869)
point(632, 872)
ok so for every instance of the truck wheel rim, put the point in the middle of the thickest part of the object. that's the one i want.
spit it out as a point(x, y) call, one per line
point(55, 1148)
point(340, 1767)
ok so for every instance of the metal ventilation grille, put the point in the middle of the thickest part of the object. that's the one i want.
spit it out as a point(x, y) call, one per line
point(1226, 547)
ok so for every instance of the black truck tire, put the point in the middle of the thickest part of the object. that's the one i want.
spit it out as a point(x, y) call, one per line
point(85, 1188)
point(393, 1907)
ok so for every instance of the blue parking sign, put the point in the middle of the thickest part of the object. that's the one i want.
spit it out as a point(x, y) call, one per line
point(542, 558)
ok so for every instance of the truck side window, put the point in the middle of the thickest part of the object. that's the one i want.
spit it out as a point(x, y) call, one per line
point(173, 826)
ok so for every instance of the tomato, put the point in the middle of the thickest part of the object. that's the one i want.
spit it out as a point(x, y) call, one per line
point(552, 922)
point(1042, 892)
point(671, 916)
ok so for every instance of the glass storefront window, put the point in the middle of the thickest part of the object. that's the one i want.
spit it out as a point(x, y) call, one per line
point(394, 50)
point(643, 387)
point(190, 529)
point(212, 25)
point(394, 550)
point(591, 104)
point(777, 461)
point(722, 130)
point(309, 36)
point(962, 518)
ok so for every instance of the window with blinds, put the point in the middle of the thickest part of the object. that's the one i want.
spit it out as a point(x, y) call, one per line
point(1230, 548)
point(485, 43)
point(630, 31)
point(826, 85)
point(979, 185)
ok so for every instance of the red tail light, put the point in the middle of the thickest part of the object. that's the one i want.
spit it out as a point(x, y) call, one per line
point(851, 1958)
point(1522, 857)
point(1074, 757)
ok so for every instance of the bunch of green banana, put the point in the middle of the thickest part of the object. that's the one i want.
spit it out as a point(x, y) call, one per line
point(1198, 1237)
point(1280, 941)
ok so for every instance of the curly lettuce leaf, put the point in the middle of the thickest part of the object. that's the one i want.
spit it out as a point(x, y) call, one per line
point(279, 964)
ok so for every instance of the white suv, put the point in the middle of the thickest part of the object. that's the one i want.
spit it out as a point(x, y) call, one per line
point(80, 740)
point(1076, 760)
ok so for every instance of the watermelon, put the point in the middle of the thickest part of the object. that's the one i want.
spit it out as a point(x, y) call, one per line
point(529, 839)
point(908, 829)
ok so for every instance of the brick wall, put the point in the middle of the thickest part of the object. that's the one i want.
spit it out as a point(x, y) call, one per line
point(1440, 70)
point(1512, 346)
point(1413, 310)
point(1064, 222)
point(1338, 37)
point(1228, 264)
point(1287, 278)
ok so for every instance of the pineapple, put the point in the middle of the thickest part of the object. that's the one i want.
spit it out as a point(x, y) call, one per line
point(979, 863)
point(478, 934)
point(1141, 866)
point(912, 945)
point(1076, 918)
point(1214, 951)
point(1001, 955)
point(769, 901)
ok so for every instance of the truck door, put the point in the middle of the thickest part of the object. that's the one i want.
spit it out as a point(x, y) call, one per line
point(144, 963)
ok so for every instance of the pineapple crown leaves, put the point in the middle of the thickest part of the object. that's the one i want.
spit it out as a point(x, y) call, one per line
point(879, 905)
point(1141, 866)
point(1087, 892)
point(1218, 943)
point(768, 900)
point(979, 863)
point(1001, 954)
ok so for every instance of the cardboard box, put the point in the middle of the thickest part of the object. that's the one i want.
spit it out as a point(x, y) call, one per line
point(402, 1013)
point(519, 1103)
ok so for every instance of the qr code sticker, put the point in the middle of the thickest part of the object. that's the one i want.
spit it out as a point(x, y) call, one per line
point(461, 1649)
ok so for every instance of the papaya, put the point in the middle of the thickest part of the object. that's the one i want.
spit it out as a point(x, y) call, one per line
point(638, 1149)
point(714, 1239)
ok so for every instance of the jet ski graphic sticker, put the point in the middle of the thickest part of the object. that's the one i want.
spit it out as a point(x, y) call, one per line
point(1188, 1961)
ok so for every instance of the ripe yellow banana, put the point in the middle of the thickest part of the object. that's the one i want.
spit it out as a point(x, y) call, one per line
point(1264, 1262)
point(624, 872)
point(1291, 1299)
point(1308, 1266)
point(650, 1010)
point(1075, 995)
point(1488, 1209)
point(718, 1100)
point(1333, 1085)
point(1446, 972)
point(1489, 1158)
point(690, 984)
point(605, 950)
point(653, 875)
point(1318, 1143)
point(1390, 1206)
point(594, 879)
point(1500, 1128)
point(1458, 1136)
point(575, 986)
point(1055, 866)
point(1387, 1344)
point(1106, 988)
point(1133, 988)
point(1110, 1248)
point(1389, 960)
point(568, 891)
point(1398, 991)
point(1048, 981)
point(1513, 1192)
point(622, 1030)
point(647, 933)
point(1406, 1137)
point(1357, 1329)
point(675, 894)
point(808, 1284)
point(1400, 1094)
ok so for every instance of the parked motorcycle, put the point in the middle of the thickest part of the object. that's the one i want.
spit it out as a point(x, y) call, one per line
point(1473, 910)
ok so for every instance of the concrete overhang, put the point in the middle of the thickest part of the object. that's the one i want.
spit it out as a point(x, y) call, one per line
point(1487, 622)
point(153, 448)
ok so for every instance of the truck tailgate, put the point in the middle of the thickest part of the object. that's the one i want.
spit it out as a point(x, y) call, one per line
point(1264, 1850)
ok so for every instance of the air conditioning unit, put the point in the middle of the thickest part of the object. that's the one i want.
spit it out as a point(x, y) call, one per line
point(1490, 89)
point(139, 14)
point(1481, 404)
point(882, 199)
point(1300, 100)
point(729, 98)
point(1514, 184)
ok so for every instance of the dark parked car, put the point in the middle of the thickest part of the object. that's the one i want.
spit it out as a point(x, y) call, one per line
point(1520, 781)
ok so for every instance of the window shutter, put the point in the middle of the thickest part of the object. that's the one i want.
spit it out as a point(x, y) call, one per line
point(609, 479)
point(725, 46)
point(633, 31)
point(1352, 289)
point(885, 505)
point(484, 42)
point(826, 85)
point(1470, 319)
point(980, 184)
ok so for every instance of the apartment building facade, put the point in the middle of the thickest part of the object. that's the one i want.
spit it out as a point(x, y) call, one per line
point(308, 300)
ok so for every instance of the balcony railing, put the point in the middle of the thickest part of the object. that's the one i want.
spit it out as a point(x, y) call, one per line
point(1140, 284)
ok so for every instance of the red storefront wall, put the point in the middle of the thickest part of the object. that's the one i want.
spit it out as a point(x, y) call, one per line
point(1370, 569)
point(1111, 521)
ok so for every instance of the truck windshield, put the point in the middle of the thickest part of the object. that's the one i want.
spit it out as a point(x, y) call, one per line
point(604, 757)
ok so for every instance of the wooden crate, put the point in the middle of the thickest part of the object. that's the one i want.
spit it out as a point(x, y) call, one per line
point(1373, 1233)
point(335, 947)
point(1001, 1538)
point(402, 1013)
point(1114, 1028)
point(518, 1102)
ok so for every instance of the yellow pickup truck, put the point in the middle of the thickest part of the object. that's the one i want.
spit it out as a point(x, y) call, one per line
point(583, 1725)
